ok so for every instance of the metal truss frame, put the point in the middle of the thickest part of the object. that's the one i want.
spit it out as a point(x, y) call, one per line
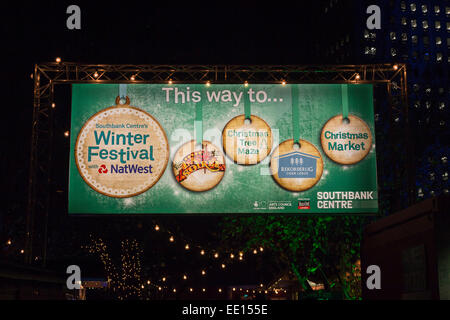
point(47, 75)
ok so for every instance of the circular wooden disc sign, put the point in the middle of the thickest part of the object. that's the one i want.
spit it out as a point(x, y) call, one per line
point(198, 167)
point(121, 151)
point(247, 143)
point(346, 142)
point(296, 169)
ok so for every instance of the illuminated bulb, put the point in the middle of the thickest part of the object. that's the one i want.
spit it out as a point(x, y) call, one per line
point(157, 228)
point(261, 285)
point(241, 253)
point(170, 81)
point(203, 289)
point(255, 251)
point(53, 105)
point(142, 286)
point(283, 82)
point(203, 272)
point(395, 67)
point(261, 249)
point(216, 255)
point(171, 239)
point(8, 242)
point(190, 289)
point(220, 290)
point(234, 289)
point(358, 76)
point(232, 256)
point(22, 251)
point(223, 266)
point(174, 290)
point(148, 281)
point(164, 279)
point(132, 78)
point(185, 277)
point(159, 288)
point(95, 74)
point(66, 133)
point(246, 84)
point(202, 252)
point(265, 291)
point(240, 258)
point(58, 60)
point(187, 247)
point(208, 83)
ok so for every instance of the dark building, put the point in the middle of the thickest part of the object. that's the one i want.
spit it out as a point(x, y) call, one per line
point(415, 32)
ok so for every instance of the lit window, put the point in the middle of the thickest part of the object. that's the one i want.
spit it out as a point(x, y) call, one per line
point(437, 9)
point(426, 40)
point(425, 24)
point(441, 105)
point(437, 25)
point(393, 52)
point(403, 5)
point(428, 91)
point(424, 8)
point(366, 34)
point(393, 36)
point(414, 39)
point(413, 7)
point(373, 51)
point(366, 50)
point(447, 10)
point(439, 57)
point(438, 41)
point(413, 23)
point(427, 104)
point(448, 26)
point(404, 37)
point(416, 87)
point(404, 21)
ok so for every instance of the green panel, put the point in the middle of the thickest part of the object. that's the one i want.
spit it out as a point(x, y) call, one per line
point(244, 189)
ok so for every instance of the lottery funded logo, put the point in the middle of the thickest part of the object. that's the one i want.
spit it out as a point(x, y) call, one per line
point(198, 167)
point(346, 142)
point(121, 151)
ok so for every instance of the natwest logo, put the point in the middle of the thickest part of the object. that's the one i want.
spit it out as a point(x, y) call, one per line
point(102, 169)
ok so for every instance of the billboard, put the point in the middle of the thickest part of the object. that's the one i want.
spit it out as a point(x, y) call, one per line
point(222, 149)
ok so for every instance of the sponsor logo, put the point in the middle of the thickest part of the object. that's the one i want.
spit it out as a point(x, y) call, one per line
point(304, 205)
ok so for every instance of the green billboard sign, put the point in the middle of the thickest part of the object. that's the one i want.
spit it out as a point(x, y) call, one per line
point(222, 149)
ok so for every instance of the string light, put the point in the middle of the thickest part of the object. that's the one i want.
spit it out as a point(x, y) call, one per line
point(202, 252)
point(159, 288)
point(9, 242)
point(53, 105)
point(95, 74)
point(66, 133)
point(58, 60)
point(171, 239)
point(148, 282)
point(132, 78)
point(203, 272)
point(216, 255)
point(223, 266)
point(157, 228)
point(234, 289)
point(261, 249)
point(208, 83)
point(164, 279)
point(232, 256)
point(395, 67)
point(22, 251)
point(220, 290)
point(283, 83)
point(358, 76)
point(184, 277)
point(203, 289)
point(255, 251)
point(186, 247)
point(190, 289)
point(246, 84)
point(170, 81)
point(174, 290)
